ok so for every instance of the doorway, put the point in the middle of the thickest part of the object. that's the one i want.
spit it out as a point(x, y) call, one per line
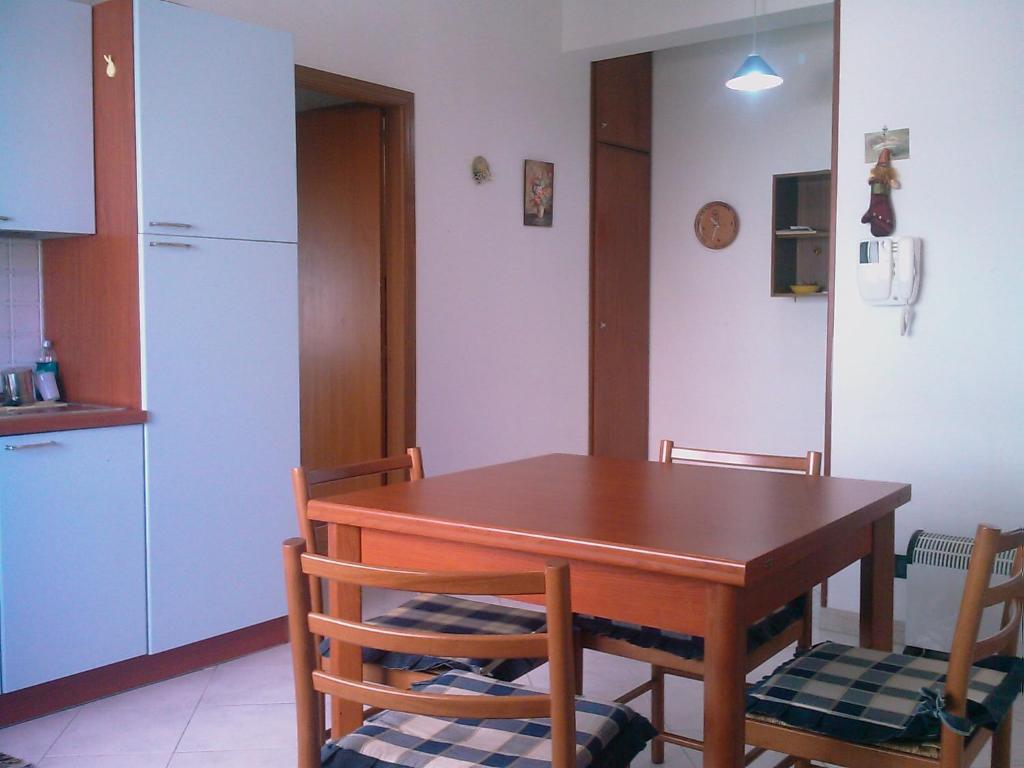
point(356, 269)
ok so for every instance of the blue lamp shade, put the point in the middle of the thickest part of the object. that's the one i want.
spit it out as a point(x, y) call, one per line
point(754, 75)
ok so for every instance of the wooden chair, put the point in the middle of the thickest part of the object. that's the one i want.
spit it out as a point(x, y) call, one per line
point(310, 484)
point(458, 613)
point(953, 750)
point(305, 624)
point(682, 656)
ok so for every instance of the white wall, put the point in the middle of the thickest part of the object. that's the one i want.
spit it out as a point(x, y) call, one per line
point(941, 409)
point(502, 317)
point(731, 367)
point(607, 28)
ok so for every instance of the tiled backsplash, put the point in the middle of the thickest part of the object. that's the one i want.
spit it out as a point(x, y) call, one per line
point(20, 301)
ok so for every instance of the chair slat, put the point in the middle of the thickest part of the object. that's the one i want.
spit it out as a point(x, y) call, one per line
point(383, 638)
point(809, 464)
point(1001, 640)
point(1008, 590)
point(498, 583)
point(363, 468)
point(438, 704)
point(1010, 540)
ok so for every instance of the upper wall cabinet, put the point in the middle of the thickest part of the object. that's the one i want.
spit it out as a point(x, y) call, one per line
point(621, 91)
point(46, 167)
point(216, 126)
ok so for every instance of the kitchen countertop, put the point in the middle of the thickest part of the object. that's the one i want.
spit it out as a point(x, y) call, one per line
point(58, 418)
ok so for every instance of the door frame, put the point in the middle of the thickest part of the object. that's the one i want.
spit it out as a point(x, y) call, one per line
point(398, 244)
point(830, 323)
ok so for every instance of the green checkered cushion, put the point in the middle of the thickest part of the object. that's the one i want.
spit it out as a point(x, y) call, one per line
point(607, 735)
point(690, 646)
point(874, 697)
point(448, 614)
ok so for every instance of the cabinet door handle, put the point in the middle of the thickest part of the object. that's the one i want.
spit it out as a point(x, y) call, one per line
point(27, 446)
point(5, 218)
point(173, 224)
point(166, 244)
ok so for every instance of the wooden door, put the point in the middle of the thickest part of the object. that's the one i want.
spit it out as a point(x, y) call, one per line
point(622, 101)
point(340, 165)
point(620, 302)
point(216, 125)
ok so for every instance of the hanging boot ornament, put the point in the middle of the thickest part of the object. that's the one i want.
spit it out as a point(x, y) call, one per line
point(883, 179)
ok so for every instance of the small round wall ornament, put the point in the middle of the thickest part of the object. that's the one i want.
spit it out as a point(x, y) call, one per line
point(716, 225)
point(481, 169)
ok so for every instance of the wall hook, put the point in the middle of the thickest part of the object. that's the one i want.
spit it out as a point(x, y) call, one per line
point(111, 67)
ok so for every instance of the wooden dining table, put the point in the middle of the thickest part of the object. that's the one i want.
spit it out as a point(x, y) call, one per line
point(702, 550)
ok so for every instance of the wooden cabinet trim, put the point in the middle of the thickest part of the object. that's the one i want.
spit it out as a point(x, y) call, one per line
point(97, 277)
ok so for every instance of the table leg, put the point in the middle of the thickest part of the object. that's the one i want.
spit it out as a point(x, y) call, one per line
point(876, 585)
point(344, 601)
point(724, 683)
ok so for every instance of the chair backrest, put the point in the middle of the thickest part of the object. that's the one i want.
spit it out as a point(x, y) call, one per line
point(810, 464)
point(305, 624)
point(313, 483)
point(978, 595)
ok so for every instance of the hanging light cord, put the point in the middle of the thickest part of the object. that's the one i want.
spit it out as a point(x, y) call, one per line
point(755, 27)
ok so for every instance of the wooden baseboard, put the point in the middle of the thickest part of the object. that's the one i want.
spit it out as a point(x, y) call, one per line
point(45, 698)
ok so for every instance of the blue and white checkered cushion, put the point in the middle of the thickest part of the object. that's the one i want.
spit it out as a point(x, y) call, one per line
point(689, 646)
point(457, 615)
point(607, 735)
point(874, 697)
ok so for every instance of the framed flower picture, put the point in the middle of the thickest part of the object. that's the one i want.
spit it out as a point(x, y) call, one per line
point(538, 193)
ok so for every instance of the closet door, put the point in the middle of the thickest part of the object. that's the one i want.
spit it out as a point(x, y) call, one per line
point(216, 125)
point(620, 302)
point(221, 384)
point(621, 91)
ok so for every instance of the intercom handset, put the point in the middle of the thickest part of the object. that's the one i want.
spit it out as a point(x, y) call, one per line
point(889, 274)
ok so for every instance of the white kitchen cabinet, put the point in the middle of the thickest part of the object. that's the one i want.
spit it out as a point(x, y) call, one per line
point(215, 101)
point(72, 554)
point(46, 128)
point(220, 372)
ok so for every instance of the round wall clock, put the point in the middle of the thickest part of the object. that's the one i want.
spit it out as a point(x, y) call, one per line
point(716, 225)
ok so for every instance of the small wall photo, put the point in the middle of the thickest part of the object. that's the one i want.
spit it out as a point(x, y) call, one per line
point(538, 193)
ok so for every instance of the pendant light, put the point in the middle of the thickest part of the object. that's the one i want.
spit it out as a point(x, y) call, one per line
point(754, 73)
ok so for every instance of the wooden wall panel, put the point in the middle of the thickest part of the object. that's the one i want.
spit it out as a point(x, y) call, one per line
point(340, 182)
point(91, 284)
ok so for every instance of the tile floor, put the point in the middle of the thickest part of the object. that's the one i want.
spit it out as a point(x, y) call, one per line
point(241, 713)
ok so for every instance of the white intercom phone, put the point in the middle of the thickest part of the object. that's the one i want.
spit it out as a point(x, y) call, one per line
point(889, 274)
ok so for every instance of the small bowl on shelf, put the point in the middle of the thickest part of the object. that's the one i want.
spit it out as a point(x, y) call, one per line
point(805, 289)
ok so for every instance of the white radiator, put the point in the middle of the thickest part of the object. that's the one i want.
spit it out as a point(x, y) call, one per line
point(936, 569)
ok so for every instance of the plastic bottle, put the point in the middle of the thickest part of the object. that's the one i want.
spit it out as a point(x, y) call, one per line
point(46, 372)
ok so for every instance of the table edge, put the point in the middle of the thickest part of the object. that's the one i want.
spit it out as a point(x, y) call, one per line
point(721, 570)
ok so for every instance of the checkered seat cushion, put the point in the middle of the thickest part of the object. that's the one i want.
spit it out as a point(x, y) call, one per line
point(607, 735)
point(455, 615)
point(689, 646)
point(875, 697)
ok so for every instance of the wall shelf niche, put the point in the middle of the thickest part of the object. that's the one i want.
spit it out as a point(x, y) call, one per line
point(800, 256)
